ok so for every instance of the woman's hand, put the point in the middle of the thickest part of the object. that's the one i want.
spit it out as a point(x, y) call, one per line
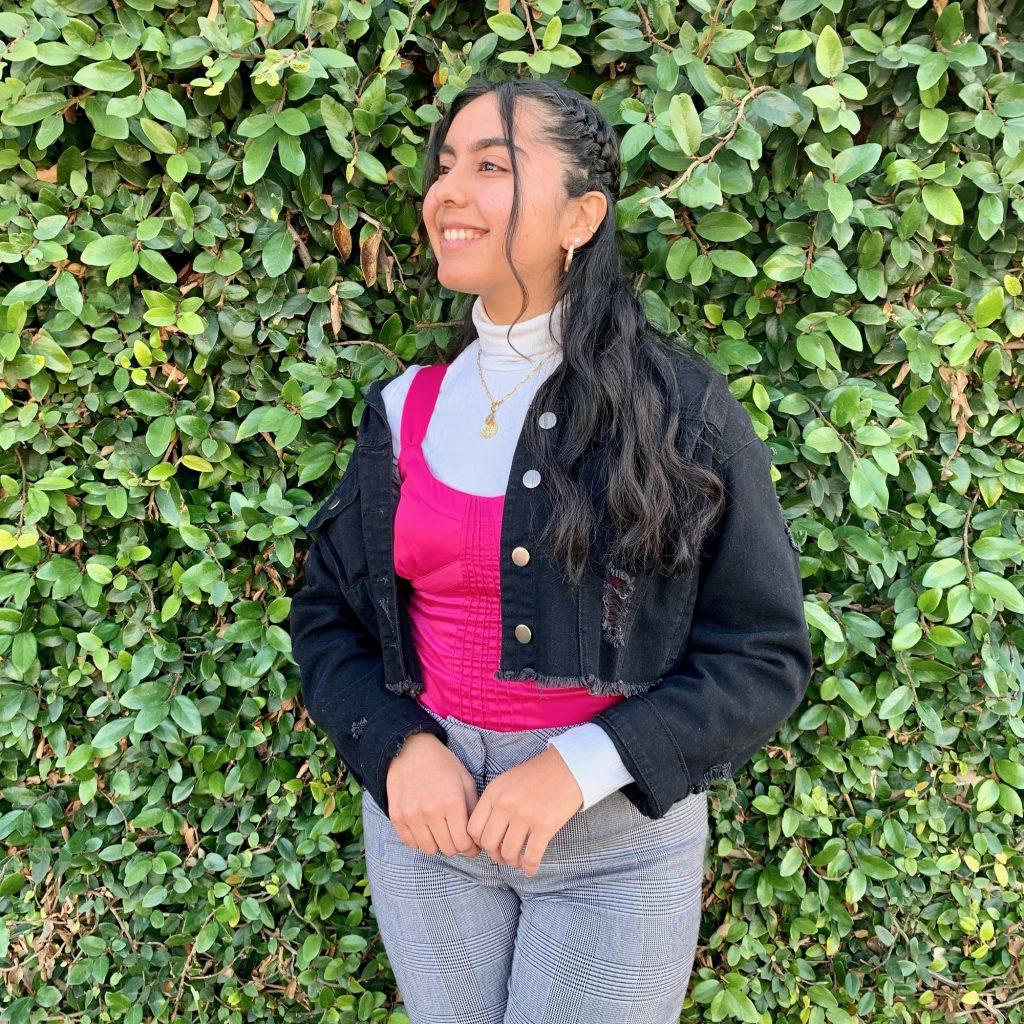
point(528, 803)
point(430, 795)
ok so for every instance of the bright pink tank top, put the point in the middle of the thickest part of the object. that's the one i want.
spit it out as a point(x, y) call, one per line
point(448, 545)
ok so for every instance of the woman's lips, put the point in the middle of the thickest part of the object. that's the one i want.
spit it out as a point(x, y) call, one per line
point(459, 243)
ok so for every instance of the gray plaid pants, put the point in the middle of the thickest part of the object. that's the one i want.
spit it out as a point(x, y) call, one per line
point(606, 931)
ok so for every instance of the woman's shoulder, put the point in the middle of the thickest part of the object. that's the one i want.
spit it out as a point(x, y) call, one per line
point(707, 400)
point(393, 393)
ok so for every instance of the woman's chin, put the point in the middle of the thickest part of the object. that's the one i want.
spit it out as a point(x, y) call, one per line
point(458, 279)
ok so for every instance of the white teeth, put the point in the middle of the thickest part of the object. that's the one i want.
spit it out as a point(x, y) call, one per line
point(454, 236)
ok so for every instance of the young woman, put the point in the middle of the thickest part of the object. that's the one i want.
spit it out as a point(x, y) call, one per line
point(551, 600)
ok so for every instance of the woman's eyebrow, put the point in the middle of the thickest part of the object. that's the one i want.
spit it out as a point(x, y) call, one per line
point(485, 143)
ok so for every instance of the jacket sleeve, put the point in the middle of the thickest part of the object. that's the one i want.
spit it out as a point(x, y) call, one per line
point(747, 663)
point(342, 677)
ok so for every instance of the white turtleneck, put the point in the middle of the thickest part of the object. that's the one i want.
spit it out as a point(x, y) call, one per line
point(465, 460)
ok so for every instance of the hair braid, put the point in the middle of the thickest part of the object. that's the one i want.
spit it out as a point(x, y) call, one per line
point(603, 146)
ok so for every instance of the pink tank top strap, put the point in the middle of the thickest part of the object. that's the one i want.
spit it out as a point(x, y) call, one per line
point(419, 403)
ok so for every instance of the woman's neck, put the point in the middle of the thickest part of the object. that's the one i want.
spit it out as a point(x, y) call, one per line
point(531, 340)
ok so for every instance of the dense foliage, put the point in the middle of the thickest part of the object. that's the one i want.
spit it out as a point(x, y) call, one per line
point(208, 246)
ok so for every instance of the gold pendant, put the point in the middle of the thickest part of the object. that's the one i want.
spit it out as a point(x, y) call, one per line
point(490, 426)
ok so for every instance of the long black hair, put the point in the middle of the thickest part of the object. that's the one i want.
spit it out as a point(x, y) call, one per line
point(616, 378)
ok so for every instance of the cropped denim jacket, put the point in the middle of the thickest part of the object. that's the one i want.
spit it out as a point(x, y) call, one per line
point(711, 662)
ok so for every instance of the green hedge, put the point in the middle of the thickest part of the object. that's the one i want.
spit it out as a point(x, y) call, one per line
point(208, 245)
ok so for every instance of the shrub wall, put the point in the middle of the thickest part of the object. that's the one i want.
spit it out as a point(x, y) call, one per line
point(208, 249)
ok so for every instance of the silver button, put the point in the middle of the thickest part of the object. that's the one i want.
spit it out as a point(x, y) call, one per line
point(523, 633)
point(333, 504)
point(531, 478)
point(520, 556)
point(547, 420)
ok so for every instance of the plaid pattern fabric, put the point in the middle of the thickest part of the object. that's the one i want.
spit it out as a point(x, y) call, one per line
point(606, 931)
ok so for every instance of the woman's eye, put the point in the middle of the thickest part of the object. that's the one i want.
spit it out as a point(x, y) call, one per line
point(483, 163)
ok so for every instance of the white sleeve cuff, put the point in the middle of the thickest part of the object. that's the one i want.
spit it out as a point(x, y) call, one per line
point(592, 758)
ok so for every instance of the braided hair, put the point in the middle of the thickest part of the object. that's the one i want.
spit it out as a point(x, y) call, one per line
point(616, 381)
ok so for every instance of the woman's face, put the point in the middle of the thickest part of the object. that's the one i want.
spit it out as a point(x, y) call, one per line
point(474, 189)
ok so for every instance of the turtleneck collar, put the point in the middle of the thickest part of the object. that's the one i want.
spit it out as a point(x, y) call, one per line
point(534, 338)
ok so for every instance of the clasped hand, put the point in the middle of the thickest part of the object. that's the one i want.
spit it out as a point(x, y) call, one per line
point(525, 805)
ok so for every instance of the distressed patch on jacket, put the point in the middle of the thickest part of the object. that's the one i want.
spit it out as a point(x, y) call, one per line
point(358, 728)
point(591, 682)
point(405, 685)
point(792, 543)
point(618, 588)
point(715, 772)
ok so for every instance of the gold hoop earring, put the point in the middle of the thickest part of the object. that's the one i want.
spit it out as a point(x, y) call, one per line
point(569, 254)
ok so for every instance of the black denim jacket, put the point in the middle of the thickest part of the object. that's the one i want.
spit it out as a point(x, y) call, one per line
point(712, 663)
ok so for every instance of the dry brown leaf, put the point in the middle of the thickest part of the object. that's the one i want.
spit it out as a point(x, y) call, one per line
point(368, 252)
point(214, 10)
point(342, 239)
point(335, 311)
point(263, 12)
point(47, 174)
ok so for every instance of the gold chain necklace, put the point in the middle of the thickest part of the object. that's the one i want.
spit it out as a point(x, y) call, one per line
point(490, 427)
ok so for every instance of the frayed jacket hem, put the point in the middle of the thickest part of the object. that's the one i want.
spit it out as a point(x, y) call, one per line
point(595, 685)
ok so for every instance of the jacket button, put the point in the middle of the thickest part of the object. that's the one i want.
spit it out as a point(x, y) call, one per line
point(523, 634)
point(520, 556)
point(333, 504)
point(547, 420)
point(531, 478)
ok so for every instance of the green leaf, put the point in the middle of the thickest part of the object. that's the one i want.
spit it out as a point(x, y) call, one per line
point(851, 163)
point(186, 714)
point(907, 636)
point(685, 123)
point(989, 307)
point(103, 251)
point(1000, 589)
point(942, 203)
point(896, 704)
point(933, 124)
point(876, 867)
point(845, 331)
point(163, 106)
point(292, 121)
point(371, 167)
point(944, 573)
point(257, 156)
point(732, 262)
point(289, 150)
point(723, 226)
point(105, 76)
point(931, 70)
point(33, 108)
point(29, 292)
point(156, 266)
point(791, 41)
point(1011, 772)
point(828, 53)
point(159, 137)
point(818, 617)
point(507, 25)
point(635, 141)
point(277, 253)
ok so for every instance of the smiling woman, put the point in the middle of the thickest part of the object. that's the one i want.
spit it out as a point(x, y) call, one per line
point(535, 756)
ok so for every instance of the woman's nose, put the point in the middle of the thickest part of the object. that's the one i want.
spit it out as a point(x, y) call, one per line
point(450, 185)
